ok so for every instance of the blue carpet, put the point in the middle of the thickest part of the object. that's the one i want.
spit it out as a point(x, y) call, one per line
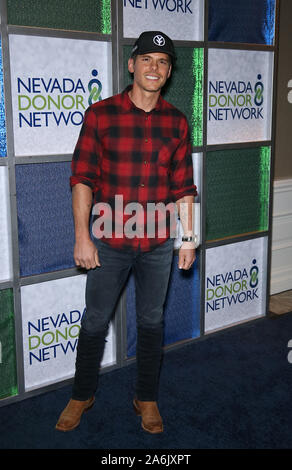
point(231, 390)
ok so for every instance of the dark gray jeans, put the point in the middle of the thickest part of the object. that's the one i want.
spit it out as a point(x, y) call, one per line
point(151, 272)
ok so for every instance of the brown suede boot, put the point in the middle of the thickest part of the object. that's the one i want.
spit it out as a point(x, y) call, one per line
point(151, 419)
point(71, 415)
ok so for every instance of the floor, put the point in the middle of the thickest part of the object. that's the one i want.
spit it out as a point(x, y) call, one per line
point(281, 303)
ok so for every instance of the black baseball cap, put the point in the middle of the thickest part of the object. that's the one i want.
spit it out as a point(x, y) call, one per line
point(153, 41)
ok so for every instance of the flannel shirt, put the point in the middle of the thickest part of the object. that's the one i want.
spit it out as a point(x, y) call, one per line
point(126, 155)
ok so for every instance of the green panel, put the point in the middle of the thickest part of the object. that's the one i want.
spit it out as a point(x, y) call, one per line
point(85, 15)
point(8, 379)
point(185, 87)
point(237, 192)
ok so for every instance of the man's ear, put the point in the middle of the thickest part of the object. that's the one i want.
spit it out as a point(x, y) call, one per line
point(131, 65)
point(169, 72)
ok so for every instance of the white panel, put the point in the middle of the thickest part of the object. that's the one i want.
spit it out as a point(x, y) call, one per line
point(51, 314)
point(239, 96)
point(281, 269)
point(197, 172)
point(235, 287)
point(5, 231)
point(179, 19)
point(50, 80)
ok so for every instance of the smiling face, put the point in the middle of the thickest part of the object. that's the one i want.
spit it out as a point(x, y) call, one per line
point(150, 70)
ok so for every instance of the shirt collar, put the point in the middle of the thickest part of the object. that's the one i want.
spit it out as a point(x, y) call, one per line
point(128, 105)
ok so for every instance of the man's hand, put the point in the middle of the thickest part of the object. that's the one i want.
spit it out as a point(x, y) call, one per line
point(86, 254)
point(186, 255)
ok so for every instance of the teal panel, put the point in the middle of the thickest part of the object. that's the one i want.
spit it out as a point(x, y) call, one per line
point(8, 378)
point(237, 192)
point(85, 15)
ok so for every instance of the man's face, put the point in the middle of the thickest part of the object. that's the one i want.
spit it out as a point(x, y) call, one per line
point(150, 70)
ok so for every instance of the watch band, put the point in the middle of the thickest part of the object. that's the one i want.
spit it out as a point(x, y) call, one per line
point(189, 238)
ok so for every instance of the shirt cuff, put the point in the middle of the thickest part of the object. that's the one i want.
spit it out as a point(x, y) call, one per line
point(81, 179)
point(179, 193)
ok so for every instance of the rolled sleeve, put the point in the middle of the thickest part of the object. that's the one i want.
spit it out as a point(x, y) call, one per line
point(85, 160)
point(181, 175)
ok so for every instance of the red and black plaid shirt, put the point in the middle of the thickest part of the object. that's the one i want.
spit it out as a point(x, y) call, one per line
point(126, 155)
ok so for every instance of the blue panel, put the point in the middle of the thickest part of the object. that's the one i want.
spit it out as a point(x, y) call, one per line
point(3, 147)
point(45, 220)
point(182, 307)
point(246, 21)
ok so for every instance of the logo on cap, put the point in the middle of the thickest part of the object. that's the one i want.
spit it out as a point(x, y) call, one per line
point(159, 40)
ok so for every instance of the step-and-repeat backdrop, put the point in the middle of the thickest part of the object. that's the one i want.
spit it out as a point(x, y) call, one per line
point(55, 61)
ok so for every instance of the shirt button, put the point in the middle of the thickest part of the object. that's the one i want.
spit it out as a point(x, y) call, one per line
point(145, 162)
point(142, 185)
point(146, 140)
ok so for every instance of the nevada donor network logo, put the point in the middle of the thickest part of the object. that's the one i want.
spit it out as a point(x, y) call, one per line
point(53, 336)
point(55, 101)
point(236, 100)
point(171, 6)
point(232, 288)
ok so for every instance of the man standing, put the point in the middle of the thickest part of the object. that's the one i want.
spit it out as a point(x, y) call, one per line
point(137, 146)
